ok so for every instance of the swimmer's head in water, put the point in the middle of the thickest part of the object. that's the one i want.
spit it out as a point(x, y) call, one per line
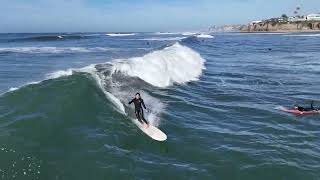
point(137, 95)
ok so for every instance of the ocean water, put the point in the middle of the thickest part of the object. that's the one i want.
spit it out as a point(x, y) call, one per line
point(64, 112)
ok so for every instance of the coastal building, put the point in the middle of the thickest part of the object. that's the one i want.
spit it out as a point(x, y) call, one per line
point(255, 22)
point(313, 17)
point(276, 20)
point(297, 18)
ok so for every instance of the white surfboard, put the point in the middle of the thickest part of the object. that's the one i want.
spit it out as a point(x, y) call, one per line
point(152, 131)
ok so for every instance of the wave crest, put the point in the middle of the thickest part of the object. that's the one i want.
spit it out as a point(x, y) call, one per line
point(174, 64)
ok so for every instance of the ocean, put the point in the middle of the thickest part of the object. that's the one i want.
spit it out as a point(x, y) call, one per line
point(64, 112)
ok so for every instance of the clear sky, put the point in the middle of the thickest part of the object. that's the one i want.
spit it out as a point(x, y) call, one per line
point(138, 15)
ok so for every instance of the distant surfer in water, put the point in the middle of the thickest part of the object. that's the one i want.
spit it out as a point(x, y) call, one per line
point(138, 104)
point(303, 109)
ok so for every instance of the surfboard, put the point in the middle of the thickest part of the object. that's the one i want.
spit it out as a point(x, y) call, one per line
point(299, 113)
point(151, 131)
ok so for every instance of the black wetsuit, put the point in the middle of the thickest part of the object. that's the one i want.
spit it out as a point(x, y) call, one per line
point(138, 104)
point(307, 109)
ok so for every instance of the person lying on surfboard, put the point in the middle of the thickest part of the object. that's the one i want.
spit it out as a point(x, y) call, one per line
point(138, 104)
point(303, 109)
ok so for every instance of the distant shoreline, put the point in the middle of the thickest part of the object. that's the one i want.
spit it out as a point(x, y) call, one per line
point(293, 27)
point(282, 31)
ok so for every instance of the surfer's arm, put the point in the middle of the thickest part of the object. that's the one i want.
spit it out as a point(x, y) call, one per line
point(131, 101)
point(312, 108)
point(144, 106)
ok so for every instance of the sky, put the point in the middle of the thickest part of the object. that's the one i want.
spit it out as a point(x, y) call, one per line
point(139, 15)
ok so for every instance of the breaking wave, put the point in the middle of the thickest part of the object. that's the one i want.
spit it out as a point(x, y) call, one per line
point(164, 68)
point(121, 78)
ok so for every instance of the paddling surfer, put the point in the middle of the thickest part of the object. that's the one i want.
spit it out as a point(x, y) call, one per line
point(138, 104)
point(303, 109)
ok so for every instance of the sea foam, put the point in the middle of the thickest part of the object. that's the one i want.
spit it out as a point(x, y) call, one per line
point(204, 36)
point(120, 34)
point(175, 64)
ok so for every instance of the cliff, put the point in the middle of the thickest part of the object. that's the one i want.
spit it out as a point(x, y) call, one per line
point(281, 27)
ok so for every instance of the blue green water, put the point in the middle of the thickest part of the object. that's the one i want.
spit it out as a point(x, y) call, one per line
point(64, 112)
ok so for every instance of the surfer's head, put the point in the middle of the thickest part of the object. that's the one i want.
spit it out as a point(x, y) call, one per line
point(295, 106)
point(137, 95)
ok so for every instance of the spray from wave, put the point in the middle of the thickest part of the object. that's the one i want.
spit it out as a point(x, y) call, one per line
point(174, 64)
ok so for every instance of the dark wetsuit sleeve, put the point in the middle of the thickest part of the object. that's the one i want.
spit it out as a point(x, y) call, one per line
point(301, 108)
point(142, 102)
point(131, 101)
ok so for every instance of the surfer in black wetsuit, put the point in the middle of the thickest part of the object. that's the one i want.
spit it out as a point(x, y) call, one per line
point(303, 109)
point(138, 104)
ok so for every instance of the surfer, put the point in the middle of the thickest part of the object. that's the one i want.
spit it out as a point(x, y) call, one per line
point(138, 104)
point(303, 109)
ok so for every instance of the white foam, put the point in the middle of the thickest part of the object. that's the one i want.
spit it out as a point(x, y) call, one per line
point(13, 89)
point(163, 39)
point(174, 64)
point(120, 34)
point(165, 33)
point(189, 33)
point(54, 49)
point(204, 36)
point(16, 88)
point(60, 73)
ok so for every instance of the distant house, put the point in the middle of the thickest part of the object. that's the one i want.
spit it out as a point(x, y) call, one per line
point(313, 17)
point(297, 19)
point(255, 22)
point(276, 20)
